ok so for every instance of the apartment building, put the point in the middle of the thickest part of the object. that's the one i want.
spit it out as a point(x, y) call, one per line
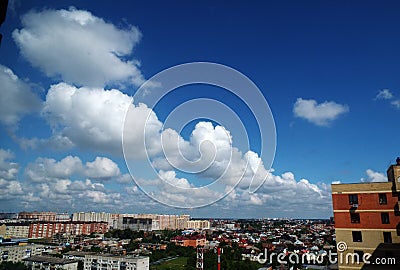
point(50, 263)
point(18, 253)
point(108, 262)
point(135, 223)
point(44, 229)
point(40, 216)
point(198, 224)
point(367, 222)
point(14, 230)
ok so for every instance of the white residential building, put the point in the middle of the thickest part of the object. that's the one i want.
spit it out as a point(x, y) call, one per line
point(110, 262)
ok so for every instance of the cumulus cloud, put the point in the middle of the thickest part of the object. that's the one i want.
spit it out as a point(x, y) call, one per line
point(101, 168)
point(17, 99)
point(78, 47)
point(47, 170)
point(384, 94)
point(373, 176)
point(94, 118)
point(62, 193)
point(10, 187)
point(321, 114)
point(8, 169)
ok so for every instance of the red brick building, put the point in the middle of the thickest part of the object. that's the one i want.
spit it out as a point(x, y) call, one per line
point(367, 221)
point(190, 241)
point(48, 229)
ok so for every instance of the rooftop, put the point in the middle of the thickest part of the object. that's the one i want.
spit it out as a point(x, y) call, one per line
point(49, 259)
point(355, 187)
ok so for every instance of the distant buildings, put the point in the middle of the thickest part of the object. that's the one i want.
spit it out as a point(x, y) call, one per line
point(44, 229)
point(367, 220)
point(40, 216)
point(198, 224)
point(97, 262)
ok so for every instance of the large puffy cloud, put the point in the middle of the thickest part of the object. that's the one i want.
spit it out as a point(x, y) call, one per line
point(78, 46)
point(46, 169)
point(373, 176)
point(17, 99)
point(94, 118)
point(321, 114)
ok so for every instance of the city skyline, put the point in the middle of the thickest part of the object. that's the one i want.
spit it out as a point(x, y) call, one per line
point(67, 69)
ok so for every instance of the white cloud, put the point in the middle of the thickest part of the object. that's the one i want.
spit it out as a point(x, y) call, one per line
point(10, 187)
point(320, 114)
point(8, 169)
point(373, 176)
point(17, 99)
point(46, 169)
point(396, 103)
point(94, 118)
point(78, 47)
point(102, 167)
point(384, 94)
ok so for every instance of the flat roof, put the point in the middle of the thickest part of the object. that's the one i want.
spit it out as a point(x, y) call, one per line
point(49, 259)
point(362, 187)
point(118, 256)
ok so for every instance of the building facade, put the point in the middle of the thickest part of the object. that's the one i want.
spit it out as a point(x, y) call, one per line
point(135, 224)
point(18, 253)
point(198, 224)
point(190, 241)
point(110, 262)
point(40, 216)
point(50, 263)
point(367, 222)
point(14, 230)
point(48, 229)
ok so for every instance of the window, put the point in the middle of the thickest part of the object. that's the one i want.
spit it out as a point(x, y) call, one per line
point(387, 237)
point(353, 199)
point(382, 199)
point(357, 236)
point(385, 218)
point(355, 217)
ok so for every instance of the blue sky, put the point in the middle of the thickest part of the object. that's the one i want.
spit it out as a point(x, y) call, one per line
point(328, 70)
